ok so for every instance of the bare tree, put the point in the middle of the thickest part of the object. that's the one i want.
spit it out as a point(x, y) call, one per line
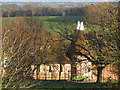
point(15, 41)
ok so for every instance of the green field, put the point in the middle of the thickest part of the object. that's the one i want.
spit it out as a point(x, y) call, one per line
point(53, 84)
point(60, 84)
point(53, 23)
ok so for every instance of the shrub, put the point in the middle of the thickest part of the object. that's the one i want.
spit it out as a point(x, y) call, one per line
point(78, 78)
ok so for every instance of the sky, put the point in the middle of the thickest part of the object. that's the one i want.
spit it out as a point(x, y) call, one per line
point(59, 0)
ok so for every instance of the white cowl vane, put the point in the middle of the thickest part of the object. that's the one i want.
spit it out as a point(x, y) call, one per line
point(78, 25)
point(81, 26)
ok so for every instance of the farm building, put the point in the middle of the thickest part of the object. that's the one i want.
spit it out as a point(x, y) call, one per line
point(51, 71)
point(83, 69)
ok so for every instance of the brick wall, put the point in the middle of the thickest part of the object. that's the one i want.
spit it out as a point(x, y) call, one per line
point(83, 69)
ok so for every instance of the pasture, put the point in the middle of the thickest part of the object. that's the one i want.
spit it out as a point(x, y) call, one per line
point(53, 23)
point(66, 84)
point(50, 23)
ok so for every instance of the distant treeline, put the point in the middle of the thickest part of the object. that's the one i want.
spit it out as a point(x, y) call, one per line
point(88, 12)
point(28, 10)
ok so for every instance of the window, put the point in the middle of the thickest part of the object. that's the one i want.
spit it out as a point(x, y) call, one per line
point(50, 69)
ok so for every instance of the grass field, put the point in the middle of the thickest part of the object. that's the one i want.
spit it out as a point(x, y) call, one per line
point(53, 84)
point(67, 84)
point(63, 84)
point(53, 23)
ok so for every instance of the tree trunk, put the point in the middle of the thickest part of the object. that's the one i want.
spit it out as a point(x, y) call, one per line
point(59, 75)
point(73, 70)
point(60, 71)
point(99, 75)
point(38, 70)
